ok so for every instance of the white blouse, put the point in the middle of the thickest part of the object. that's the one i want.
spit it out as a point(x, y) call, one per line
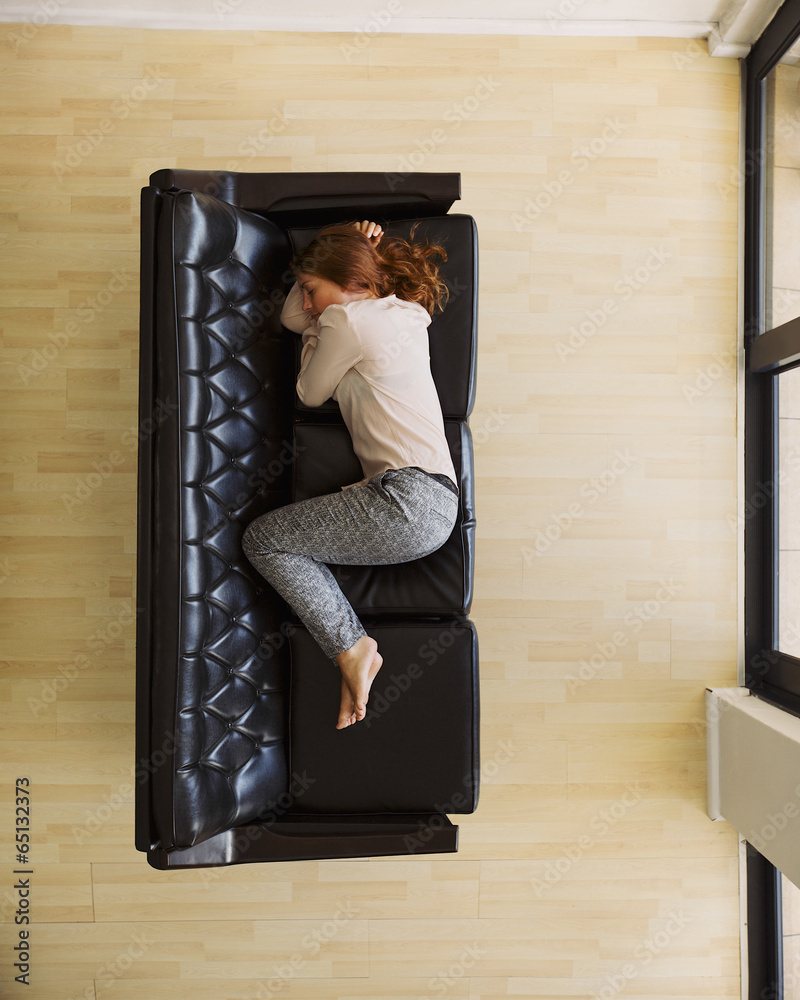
point(372, 357)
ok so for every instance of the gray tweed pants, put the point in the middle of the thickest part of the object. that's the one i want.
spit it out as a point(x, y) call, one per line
point(399, 515)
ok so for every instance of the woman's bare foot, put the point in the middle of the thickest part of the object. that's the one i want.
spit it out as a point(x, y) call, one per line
point(359, 665)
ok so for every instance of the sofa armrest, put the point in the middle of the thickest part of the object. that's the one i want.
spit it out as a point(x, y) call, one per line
point(317, 195)
point(314, 838)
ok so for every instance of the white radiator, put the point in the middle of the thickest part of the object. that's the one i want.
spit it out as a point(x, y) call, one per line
point(753, 765)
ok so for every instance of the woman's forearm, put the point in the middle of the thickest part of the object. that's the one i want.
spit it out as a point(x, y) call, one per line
point(327, 358)
point(309, 347)
point(293, 316)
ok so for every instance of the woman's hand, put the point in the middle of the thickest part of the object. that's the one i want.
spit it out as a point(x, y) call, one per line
point(370, 229)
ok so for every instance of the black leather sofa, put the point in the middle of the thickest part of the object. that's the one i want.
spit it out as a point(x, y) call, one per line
point(237, 755)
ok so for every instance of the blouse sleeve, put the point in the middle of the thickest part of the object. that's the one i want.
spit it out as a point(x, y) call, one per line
point(327, 359)
point(292, 315)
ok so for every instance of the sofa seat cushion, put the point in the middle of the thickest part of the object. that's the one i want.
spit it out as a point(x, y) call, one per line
point(437, 585)
point(416, 750)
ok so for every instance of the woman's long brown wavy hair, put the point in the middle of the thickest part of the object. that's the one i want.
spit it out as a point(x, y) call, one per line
point(405, 268)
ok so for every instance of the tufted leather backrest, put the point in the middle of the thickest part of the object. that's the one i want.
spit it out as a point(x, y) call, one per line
point(223, 372)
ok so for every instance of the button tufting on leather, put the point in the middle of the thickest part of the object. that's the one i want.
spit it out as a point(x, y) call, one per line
point(224, 677)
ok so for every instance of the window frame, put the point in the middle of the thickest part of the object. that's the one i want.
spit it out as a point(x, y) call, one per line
point(764, 928)
point(769, 672)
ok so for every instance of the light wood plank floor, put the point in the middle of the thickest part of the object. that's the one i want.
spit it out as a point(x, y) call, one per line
point(603, 177)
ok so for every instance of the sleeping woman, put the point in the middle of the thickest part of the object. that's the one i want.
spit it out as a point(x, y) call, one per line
point(363, 302)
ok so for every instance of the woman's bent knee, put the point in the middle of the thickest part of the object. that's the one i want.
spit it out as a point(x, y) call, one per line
point(247, 541)
point(253, 540)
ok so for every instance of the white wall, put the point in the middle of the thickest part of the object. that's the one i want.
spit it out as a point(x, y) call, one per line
point(670, 18)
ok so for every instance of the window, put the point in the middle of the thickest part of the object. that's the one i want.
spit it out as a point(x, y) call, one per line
point(772, 378)
point(772, 450)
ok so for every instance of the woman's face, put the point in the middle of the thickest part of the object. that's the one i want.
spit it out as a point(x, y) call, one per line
point(319, 293)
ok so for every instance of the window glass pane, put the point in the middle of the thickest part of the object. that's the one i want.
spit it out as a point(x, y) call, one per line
point(782, 292)
point(788, 544)
point(790, 912)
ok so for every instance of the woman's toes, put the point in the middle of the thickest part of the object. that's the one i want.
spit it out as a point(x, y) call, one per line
point(347, 708)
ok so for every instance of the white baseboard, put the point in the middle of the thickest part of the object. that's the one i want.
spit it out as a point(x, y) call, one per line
point(229, 15)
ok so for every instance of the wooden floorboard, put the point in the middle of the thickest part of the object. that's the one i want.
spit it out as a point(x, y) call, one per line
point(602, 174)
